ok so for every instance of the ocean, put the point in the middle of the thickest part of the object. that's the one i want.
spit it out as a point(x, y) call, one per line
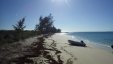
point(101, 38)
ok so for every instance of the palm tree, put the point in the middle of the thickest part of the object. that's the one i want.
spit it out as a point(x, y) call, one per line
point(19, 28)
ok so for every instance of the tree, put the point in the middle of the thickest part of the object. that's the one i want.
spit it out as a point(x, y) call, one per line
point(58, 30)
point(36, 27)
point(19, 28)
point(46, 26)
point(20, 25)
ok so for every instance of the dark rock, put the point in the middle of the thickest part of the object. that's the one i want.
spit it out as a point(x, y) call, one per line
point(112, 46)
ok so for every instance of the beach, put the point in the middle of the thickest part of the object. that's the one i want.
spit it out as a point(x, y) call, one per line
point(56, 49)
point(81, 55)
point(56, 32)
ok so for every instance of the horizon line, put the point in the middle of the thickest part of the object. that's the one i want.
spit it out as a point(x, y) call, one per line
point(62, 31)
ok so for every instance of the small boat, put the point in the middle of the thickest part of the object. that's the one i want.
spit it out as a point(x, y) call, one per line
point(77, 43)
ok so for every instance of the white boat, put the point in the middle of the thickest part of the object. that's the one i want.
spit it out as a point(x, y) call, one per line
point(77, 43)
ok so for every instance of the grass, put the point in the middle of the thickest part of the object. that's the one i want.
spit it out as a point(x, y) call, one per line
point(9, 36)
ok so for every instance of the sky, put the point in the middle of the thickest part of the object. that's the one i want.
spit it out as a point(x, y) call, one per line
point(68, 15)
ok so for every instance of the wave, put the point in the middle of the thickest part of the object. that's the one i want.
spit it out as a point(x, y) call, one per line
point(95, 44)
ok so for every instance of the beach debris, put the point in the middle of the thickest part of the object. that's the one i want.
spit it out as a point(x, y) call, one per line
point(38, 52)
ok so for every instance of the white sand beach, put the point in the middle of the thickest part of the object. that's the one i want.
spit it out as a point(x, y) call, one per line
point(81, 55)
point(69, 54)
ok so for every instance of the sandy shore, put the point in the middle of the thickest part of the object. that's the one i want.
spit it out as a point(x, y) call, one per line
point(57, 43)
point(81, 55)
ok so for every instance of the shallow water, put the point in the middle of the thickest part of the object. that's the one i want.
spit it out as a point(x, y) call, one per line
point(100, 39)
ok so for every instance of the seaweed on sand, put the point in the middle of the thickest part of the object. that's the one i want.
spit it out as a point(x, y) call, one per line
point(38, 49)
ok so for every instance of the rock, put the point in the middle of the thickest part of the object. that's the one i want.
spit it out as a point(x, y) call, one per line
point(112, 46)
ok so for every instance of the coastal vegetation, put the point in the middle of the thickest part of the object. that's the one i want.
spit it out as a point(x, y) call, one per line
point(45, 26)
point(44, 29)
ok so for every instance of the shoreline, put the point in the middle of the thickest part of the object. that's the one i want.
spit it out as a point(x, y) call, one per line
point(94, 44)
point(81, 55)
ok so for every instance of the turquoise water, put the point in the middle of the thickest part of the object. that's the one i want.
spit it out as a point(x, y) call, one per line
point(104, 38)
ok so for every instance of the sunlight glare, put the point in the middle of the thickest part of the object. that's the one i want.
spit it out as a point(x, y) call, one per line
point(61, 1)
point(58, 1)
